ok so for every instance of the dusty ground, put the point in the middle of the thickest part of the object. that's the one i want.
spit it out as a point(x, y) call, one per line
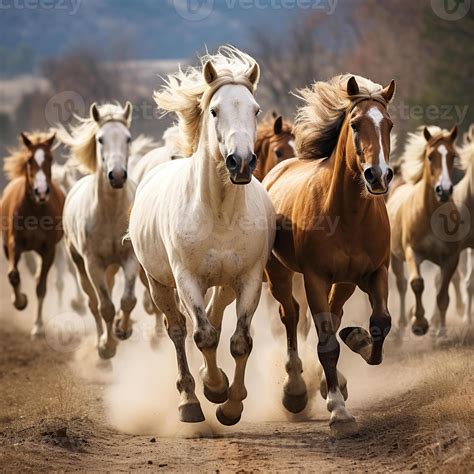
point(415, 411)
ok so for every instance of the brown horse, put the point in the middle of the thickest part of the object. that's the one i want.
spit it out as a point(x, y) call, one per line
point(421, 212)
point(339, 177)
point(31, 212)
point(275, 143)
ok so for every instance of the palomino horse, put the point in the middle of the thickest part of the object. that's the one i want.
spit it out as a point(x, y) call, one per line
point(205, 222)
point(31, 213)
point(340, 175)
point(419, 212)
point(96, 217)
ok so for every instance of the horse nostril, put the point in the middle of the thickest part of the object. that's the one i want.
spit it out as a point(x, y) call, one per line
point(369, 176)
point(231, 163)
point(48, 190)
point(253, 161)
point(125, 175)
point(450, 189)
point(110, 176)
point(36, 192)
point(389, 175)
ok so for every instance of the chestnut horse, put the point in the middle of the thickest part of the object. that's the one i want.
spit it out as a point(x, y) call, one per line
point(31, 213)
point(340, 175)
point(419, 212)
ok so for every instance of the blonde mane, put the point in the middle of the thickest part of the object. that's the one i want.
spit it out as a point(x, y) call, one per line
point(413, 157)
point(14, 165)
point(187, 94)
point(466, 152)
point(318, 122)
point(81, 138)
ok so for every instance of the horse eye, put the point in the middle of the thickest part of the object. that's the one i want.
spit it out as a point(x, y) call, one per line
point(257, 113)
point(100, 140)
point(354, 126)
point(129, 139)
point(278, 153)
point(213, 113)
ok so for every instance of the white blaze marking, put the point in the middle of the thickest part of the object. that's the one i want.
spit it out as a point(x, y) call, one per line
point(377, 117)
point(39, 156)
point(41, 183)
point(445, 180)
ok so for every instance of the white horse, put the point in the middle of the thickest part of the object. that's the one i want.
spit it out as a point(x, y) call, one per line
point(206, 222)
point(96, 217)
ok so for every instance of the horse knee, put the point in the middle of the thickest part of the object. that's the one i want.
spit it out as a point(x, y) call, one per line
point(107, 311)
point(127, 303)
point(206, 337)
point(241, 344)
point(417, 285)
point(14, 278)
point(380, 325)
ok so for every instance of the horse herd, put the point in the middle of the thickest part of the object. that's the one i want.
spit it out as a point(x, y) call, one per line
point(227, 204)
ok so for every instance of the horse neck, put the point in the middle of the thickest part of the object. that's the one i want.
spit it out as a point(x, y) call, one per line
point(426, 196)
point(108, 198)
point(212, 185)
point(261, 150)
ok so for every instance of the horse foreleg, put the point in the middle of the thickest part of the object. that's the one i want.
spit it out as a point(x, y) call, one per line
point(442, 299)
point(164, 298)
point(469, 282)
point(77, 303)
point(60, 264)
point(19, 299)
point(456, 280)
point(419, 324)
point(123, 324)
point(248, 292)
point(205, 335)
point(280, 279)
point(304, 320)
point(317, 291)
point(399, 272)
point(47, 260)
point(98, 276)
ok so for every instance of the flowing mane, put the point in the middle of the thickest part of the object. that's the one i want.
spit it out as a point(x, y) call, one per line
point(413, 157)
point(81, 138)
point(466, 152)
point(14, 164)
point(187, 94)
point(318, 121)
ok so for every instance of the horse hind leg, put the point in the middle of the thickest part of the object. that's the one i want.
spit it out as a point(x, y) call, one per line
point(469, 282)
point(401, 281)
point(123, 324)
point(19, 299)
point(442, 298)
point(164, 298)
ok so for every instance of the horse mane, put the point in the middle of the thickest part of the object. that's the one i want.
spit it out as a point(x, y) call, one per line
point(466, 155)
point(80, 138)
point(14, 165)
point(318, 122)
point(413, 156)
point(172, 139)
point(142, 145)
point(187, 94)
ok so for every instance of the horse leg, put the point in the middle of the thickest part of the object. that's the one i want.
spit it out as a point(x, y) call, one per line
point(469, 282)
point(370, 346)
point(442, 299)
point(47, 260)
point(165, 299)
point(248, 290)
point(77, 303)
point(19, 299)
point(419, 324)
point(456, 280)
point(205, 335)
point(89, 290)
point(399, 272)
point(123, 326)
point(295, 394)
point(304, 320)
point(98, 276)
point(341, 421)
point(339, 294)
point(60, 264)
point(221, 298)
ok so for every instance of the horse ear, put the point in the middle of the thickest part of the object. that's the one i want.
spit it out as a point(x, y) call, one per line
point(49, 142)
point(26, 140)
point(352, 87)
point(453, 133)
point(210, 73)
point(427, 134)
point(389, 91)
point(254, 74)
point(278, 125)
point(94, 112)
point(128, 111)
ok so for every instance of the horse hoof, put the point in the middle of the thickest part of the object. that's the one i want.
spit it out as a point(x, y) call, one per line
point(218, 397)
point(78, 307)
point(107, 352)
point(191, 413)
point(37, 333)
point(21, 302)
point(224, 419)
point(420, 327)
point(357, 340)
point(120, 333)
point(342, 428)
point(295, 403)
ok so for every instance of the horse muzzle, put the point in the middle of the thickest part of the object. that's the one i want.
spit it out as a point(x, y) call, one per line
point(443, 194)
point(42, 195)
point(241, 169)
point(117, 177)
point(377, 182)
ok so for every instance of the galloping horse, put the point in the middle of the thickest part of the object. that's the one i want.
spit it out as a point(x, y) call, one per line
point(96, 217)
point(31, 213)
point(340, 175)
point(206, 222)
point(418, 213)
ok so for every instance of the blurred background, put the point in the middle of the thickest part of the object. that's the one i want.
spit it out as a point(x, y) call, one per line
point(58, 56)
